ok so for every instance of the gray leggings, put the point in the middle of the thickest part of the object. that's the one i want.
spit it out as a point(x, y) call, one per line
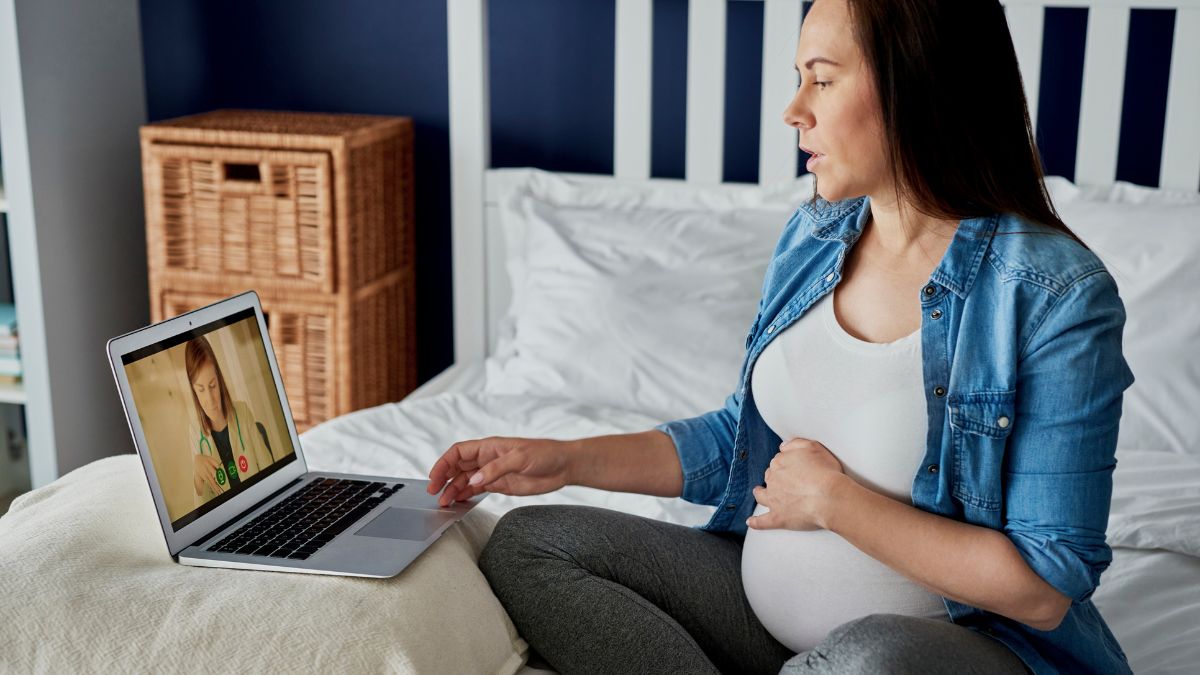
point(599, 591)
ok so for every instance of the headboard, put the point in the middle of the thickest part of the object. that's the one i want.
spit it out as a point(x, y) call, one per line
point(480, 284)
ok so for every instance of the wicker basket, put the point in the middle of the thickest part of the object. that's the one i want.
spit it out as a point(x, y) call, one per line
point(313, 211)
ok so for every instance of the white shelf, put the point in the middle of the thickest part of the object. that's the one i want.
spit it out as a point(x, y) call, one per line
point(82, 135)
point(12, 393)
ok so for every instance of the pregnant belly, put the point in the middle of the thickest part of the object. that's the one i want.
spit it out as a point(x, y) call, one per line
point(802, 585)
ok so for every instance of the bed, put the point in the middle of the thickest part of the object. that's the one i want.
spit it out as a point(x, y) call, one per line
point(1150, 595)
point(656, 260)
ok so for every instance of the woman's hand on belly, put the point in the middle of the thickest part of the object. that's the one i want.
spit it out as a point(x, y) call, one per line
point(799, 483)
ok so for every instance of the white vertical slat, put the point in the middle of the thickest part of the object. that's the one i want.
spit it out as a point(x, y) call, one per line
point(1181, 139)
point(777, 151)
point(632, 91)
point(705, 134)
point(1025, 24)
point(26, 265)
point(1103, 86)
point(470, 154)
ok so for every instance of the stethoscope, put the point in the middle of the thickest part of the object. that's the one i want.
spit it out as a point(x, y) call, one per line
point(204, 443)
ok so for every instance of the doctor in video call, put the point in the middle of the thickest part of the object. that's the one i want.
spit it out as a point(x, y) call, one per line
point(228, 447)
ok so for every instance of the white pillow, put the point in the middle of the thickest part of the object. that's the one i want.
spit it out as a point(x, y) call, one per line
point(1150, 242)
point(636, 296)
point(88, 586)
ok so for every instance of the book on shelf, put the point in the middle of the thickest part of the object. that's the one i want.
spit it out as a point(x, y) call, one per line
point(10, 379)
point(8, 319)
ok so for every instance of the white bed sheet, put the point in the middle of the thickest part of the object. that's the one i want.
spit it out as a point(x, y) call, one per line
point(1150, 596)
point(1150, 599)
point(406, 438)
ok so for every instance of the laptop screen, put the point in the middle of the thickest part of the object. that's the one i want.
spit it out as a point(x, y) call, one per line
point(211, 414)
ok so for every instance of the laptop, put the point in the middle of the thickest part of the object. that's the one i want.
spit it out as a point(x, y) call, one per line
point(204, 400)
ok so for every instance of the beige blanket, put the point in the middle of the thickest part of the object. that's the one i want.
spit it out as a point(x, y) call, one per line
point(87, 585)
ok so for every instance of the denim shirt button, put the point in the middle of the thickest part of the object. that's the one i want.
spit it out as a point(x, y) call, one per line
point(930, 289)
point(933, 468)
point(935, 314)
point(1002, 422)
point(939, 391)
point(742, 455)
point(830, 277)
point(771, 328)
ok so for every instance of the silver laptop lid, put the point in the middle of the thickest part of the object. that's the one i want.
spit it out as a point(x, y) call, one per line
point(205, 404)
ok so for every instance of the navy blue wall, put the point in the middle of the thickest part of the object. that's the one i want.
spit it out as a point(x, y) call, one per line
point(552, 91)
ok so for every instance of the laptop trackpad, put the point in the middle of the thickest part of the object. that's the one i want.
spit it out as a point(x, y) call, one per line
point(402, 523)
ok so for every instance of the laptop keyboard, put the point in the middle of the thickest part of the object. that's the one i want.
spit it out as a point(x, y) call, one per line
point(311, 517)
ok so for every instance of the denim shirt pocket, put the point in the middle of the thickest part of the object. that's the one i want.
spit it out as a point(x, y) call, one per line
point(982, 422)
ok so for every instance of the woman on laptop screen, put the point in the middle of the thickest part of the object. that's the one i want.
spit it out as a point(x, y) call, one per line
point(228, 446)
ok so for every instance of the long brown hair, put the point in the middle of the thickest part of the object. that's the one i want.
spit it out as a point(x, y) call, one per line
point(955, 119)
point(197, 353)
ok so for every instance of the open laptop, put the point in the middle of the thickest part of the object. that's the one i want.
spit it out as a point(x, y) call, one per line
point(206, 407)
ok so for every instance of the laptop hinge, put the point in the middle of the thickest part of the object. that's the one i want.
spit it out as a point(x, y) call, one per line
point(266, 499)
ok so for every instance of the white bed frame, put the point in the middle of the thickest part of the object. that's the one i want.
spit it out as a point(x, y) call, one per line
point(480, 285)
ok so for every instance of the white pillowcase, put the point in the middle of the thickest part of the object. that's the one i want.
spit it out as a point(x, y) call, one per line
point(1150, 242)
point(634, 295)
point(88, 586)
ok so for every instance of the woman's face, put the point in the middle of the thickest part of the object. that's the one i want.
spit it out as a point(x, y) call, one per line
point(208, 390)
point(836, 108)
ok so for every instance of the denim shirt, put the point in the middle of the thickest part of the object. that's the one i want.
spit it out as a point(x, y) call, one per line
point(1023, 377)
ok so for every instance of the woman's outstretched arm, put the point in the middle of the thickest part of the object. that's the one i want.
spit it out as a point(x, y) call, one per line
point(644, 462)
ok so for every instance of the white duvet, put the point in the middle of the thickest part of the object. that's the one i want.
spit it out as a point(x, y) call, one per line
point(1150, 596)
point(406, 438)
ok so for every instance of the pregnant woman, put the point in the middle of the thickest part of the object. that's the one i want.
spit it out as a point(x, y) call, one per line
point(914, 472)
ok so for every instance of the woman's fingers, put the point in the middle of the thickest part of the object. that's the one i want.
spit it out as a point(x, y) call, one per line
point(212, 483)
point(206, 467)
point(497, 468)
point(454, 489)
point(457, 458)
point(464, 456)
point(212, 475)
point(495, 464)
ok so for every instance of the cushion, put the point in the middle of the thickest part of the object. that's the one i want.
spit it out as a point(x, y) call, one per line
point(1150, 242)
point(634, 295)
point(88, 586)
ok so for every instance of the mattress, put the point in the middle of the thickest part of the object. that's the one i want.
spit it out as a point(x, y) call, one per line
point(1150, 595)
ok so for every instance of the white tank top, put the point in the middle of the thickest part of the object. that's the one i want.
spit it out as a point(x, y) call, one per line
point(865, 402)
